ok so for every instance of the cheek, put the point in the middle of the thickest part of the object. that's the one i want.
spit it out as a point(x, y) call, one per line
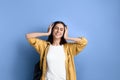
point(62, 32)
point(54, 30)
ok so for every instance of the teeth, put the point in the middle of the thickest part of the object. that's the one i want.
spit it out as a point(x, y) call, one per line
point(57, 34)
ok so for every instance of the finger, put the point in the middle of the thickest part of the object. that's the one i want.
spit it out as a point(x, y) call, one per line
point(65, 28)
point(52, 24)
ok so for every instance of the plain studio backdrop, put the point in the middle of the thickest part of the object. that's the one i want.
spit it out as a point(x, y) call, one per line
point(97, 20)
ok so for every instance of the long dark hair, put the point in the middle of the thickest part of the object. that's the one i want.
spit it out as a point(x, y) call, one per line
point(50, 37)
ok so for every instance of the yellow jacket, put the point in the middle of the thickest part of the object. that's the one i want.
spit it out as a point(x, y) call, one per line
point(71, 49)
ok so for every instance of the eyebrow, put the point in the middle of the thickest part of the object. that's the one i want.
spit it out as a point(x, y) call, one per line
point(60, 28)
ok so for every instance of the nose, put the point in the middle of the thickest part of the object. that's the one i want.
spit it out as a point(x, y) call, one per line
point(58, 30)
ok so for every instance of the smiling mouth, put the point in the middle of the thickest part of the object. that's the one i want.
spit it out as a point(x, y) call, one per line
point(58, 34)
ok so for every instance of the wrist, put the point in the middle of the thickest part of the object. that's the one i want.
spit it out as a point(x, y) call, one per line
point(47, 34)
point(67, 38)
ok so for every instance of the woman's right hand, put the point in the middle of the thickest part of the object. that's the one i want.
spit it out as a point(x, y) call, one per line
point(50, 29)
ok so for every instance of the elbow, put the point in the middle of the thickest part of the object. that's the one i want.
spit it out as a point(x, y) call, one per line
point(84, 41)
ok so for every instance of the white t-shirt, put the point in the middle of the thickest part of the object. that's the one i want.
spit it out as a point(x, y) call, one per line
point(56, 63)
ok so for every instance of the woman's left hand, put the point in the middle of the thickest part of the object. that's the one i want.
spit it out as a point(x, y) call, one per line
point(66, 33)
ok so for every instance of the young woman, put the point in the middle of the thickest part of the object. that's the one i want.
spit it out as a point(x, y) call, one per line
point(56, 55)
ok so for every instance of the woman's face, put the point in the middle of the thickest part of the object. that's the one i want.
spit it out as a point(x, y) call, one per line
point(58, 31)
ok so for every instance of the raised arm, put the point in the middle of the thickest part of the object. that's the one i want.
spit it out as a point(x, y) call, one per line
point(78, 43)
point(39, 34)
point(36, 34)
point(37, 43)
point(70, 38)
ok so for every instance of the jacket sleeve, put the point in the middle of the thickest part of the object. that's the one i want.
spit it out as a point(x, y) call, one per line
point(38, 44)
point(77, 47)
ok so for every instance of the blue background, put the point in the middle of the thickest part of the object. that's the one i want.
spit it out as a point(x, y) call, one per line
point(97, 20)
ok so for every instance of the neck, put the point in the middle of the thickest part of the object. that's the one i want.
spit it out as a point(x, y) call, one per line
point(56, 42)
